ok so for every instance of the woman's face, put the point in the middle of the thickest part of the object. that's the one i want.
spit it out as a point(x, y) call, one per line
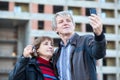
point(46, 49)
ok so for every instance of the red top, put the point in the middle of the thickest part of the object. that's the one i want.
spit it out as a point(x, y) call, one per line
point(46, 68)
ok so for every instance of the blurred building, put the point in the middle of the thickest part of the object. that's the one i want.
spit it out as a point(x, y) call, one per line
point(22, 20)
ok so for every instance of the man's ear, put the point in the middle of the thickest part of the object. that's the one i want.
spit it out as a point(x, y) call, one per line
point(55, 30)
point(57, 33)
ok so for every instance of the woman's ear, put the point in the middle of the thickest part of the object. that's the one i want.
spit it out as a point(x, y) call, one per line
point(37, 50)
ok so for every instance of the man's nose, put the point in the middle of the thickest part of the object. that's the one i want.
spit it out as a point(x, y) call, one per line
point(65, 22)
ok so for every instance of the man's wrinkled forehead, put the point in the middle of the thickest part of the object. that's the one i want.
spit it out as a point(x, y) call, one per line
point(63, 17)
point(63, 14)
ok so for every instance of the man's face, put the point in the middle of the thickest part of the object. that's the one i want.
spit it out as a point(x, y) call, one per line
point(64, 25)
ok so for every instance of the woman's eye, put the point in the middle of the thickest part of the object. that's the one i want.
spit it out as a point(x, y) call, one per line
point(45, 43)
point(52, 44)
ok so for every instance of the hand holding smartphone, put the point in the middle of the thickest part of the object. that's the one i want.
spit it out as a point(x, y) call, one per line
point(34, 54)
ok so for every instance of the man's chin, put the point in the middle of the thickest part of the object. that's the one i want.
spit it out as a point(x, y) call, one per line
point(68, 32)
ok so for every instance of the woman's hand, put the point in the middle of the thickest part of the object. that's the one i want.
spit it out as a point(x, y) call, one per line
point(27, 51)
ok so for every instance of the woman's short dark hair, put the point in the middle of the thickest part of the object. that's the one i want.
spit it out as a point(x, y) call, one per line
point(37, 42)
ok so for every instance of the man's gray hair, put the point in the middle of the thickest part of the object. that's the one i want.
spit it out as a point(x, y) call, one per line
point(61, 13)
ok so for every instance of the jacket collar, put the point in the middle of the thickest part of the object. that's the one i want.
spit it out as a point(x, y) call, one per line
point(73, 39)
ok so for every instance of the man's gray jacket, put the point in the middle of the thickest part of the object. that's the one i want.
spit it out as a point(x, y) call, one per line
point(87, 49)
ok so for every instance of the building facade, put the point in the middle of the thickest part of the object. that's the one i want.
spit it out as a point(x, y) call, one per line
point(23, 20)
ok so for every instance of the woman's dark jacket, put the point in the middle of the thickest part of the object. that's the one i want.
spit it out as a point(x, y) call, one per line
point(86, 50)
point(26, 69)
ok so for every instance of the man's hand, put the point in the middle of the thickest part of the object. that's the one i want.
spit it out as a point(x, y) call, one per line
point(96, 24)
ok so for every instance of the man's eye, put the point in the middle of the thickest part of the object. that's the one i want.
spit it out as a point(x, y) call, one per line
point(68, 20)
point(60, 22)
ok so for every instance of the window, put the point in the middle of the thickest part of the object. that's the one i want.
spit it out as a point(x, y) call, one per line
point(110, 0)
point(8, 42)
point(3, 76)
point(41, 8)
point(119, 46)
point(107, 1)
point(108, 13)
point(110, 44)
point(119, 30)
point(4, 6)
point(109, 62)
point(78, 27)
point(57, 9)
point(118, 13)
point(21, 7)
point(75, 10)
point(40, 24)
point(109, 28)
point(109, 77)
point(89, 28)
point(56, 42)
point(87, 12)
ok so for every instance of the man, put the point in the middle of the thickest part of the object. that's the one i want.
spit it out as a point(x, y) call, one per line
point(75, 58)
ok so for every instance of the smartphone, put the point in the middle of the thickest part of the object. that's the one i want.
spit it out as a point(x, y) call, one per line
point(34, 54)
point(92, 11)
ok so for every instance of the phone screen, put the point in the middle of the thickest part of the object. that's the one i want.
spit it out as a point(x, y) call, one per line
point(92, 11)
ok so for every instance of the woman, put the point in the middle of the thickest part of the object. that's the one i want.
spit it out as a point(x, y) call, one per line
point(35, 64)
